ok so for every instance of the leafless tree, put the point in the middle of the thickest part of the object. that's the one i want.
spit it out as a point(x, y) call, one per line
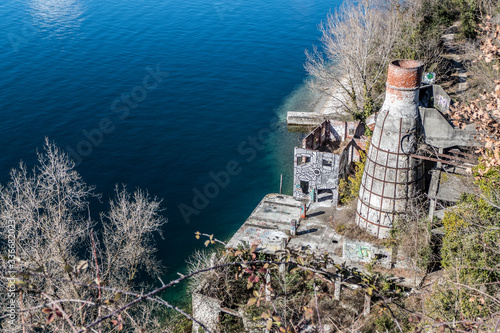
point(47, 228)
point(357, 42)
point(128, 230)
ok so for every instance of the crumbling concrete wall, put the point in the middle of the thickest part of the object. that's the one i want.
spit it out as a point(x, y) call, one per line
point(433, 96)
point(206, 310)
point(441, 134)
point(317, 137)
point(363, 252)
point(351, 154)
point(333, 130)
point(346, 130)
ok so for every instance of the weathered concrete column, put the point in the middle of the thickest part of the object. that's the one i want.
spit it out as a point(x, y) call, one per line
point(390, 174)
point(206, 310)
point(338, 288)
point(368, 305)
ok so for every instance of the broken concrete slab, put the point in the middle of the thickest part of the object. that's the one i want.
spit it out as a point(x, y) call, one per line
point(316, 235)
point(268, 227)
point(441, 134)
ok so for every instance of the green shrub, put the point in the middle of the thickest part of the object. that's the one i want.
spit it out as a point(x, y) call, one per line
point(470, 254)
point(468, 17)
point(349, 189)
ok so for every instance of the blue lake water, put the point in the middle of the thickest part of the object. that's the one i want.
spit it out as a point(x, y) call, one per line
point(159, 94)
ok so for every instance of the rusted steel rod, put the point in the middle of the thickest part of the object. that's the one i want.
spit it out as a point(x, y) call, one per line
point(441, 161)
point(451, 157)
point(456, 151)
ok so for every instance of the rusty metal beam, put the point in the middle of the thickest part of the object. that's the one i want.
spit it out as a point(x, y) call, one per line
point(441, 161)
point(451, 157)
point(462, 153)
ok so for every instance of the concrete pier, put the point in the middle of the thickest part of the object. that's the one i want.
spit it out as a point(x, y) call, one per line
point(304, 118)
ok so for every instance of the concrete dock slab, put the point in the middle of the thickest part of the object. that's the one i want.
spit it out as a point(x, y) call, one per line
point(268, 227)
point(316, 235)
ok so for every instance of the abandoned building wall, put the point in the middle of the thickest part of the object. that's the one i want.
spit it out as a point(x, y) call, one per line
point(390, 174)
point(317, 137)
point(434, 96)
point(332, 130)
point(314, 170)
point(345, 130)
point(360, 146)
point(338, 130)
point(355, 130)
point(206, 310)
point(351, 154)
point(363, 252)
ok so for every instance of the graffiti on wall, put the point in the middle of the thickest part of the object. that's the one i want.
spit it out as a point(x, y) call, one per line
point(316, 168)
point(441, 99)
point(314, 171)
point(363, 252)
point(442, 103)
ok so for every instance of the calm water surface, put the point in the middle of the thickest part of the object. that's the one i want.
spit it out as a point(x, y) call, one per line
point(228, 69)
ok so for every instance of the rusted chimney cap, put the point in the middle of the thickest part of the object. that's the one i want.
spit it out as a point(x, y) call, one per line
point(404, 74)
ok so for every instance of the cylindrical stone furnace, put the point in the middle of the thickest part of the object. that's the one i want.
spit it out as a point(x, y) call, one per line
point(390, 176)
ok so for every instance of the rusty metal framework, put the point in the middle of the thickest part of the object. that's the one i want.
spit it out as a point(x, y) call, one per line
point(391, 174)
point(450, 159)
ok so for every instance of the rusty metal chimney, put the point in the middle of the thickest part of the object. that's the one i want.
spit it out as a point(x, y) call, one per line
point(390, 176)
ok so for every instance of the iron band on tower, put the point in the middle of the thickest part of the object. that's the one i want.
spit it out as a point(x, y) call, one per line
point(390, 176)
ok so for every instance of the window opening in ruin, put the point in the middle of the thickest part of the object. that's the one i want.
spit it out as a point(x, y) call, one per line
point(379, 256)
point(304, 186)
point(303, 160)
point(327, 163)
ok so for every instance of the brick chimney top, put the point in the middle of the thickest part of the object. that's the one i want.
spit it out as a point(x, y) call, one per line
point(404, 74)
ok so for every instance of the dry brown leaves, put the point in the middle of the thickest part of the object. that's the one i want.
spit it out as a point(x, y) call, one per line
point(484, 112)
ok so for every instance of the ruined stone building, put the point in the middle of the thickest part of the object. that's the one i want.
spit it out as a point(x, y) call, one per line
point(412, 139)
point(408, 144)
point(414, 149)
point(324, 158)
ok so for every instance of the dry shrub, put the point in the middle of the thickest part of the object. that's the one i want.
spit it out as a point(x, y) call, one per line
point(209, 283)
point(412, 233)
point(54, 235)
point(343, 223)
point(345, 314)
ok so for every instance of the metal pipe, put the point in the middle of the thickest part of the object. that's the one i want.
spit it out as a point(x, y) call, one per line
point(281, 183)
